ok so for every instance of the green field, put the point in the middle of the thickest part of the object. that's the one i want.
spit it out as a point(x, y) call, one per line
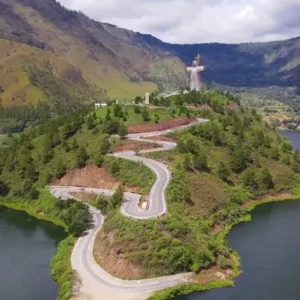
point(135, 118)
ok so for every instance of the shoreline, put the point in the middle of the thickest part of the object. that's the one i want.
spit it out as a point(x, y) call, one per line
point(61, 261)
point(188, 289)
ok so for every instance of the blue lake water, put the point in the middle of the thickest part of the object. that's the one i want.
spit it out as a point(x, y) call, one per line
point(26, 248)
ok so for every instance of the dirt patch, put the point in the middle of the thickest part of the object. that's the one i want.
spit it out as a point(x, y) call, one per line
point(272, 196)
point(128, 145)
point(212, 274)
point(216, 229)
point(93, 177)
point(233, 105)
point(111, 259)
point(149, 127)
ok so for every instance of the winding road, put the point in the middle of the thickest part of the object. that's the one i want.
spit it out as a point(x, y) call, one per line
point(96, 283)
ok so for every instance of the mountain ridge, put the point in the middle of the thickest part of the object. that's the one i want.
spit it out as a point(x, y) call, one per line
point(123, 63)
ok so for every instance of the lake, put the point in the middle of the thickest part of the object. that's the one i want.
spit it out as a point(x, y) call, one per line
point(269, 247)
point(26, 248)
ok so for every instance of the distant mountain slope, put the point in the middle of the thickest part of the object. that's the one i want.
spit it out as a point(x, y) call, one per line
point(109, 57)
point(122, 64)
point(29, 75)
point(252, 64)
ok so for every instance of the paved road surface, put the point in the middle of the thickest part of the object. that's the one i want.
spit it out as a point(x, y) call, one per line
point(97, 284)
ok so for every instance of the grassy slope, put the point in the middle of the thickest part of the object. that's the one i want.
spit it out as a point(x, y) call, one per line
point(15, 61)
point(71, 40)
point(136, 118)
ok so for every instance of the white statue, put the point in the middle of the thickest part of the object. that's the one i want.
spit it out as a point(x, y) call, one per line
point(195, 70)
point(147, 99)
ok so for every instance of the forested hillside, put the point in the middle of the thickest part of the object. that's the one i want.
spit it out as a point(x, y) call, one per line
point(217, 169)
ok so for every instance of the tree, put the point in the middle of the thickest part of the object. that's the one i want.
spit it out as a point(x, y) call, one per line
point(286, 147)
point(55, 139)
point(186, 163)
point(98, 159)
point(102, 204)
point(239, 160)
point(275, 123)
point(115, 168)
point(122, 130)
point(104, 146)
point(65, 146)
point(117, 198)
point(81, 157)
point(118, 112)
point(250, 179)
point(145, 115)
point(138, 99)
point(3, 189)
point(74, 145)
point(60, 169)
point(111, 126)
point(274, 153)
point(297, 155)
point(137, 109)
point(107, 115)
point(266, 180)
point(90, 123)
point(200, 161)
point(223, 171)
point(47, 152)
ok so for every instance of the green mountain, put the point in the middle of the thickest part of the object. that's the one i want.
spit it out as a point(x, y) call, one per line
point(107, 61)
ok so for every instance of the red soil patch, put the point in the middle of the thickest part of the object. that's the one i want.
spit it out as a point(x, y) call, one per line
point(233, 105)
point(149, 127)
point(212, 274)
point(92, 177)
point(128, 145)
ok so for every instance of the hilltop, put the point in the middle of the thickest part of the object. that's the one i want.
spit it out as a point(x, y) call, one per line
point(218, 170)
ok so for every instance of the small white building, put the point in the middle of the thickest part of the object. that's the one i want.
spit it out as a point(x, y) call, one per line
point(99, 105)
point(147, 98)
